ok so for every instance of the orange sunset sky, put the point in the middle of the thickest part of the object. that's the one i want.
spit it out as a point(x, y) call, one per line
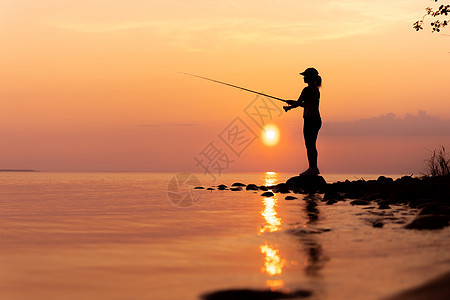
point(95, 85)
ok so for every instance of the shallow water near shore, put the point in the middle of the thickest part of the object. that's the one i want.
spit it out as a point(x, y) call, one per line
point(118, 236)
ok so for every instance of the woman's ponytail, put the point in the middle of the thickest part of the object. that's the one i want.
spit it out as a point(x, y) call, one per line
point(318, 81)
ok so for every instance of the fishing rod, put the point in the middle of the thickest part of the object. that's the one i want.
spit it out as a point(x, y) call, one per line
point(235, 86)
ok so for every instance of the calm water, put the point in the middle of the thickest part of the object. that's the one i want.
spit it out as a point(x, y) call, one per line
point(117, 236)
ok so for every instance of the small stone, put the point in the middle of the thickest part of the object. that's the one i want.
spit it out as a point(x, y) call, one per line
point(199, 188)
point(210, 189)
point(236, 189)
point(290, 198)
point(222, 187)
point(383, 202)
point(267, 194)
point(331, 202)
point(238, 184)
point(377, 224)
point(252, 187)
point(360, 202)
point(384, 206)
point(263, 188)
point(301, 231)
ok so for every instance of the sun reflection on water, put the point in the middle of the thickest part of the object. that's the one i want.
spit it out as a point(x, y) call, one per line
point(273, 222)
point(270, 178)
point(269, 213)
point(273, 262)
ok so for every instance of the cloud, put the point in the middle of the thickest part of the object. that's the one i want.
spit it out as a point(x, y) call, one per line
point(389, 124)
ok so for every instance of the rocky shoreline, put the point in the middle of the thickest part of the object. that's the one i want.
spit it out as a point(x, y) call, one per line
point(429, 195)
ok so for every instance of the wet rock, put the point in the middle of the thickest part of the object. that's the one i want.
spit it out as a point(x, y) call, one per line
point(417, 203)
point(247, 294)
point(300, 231)
point(385, 180)
point(382, 213)
point(360, 202)
point(383, 202)
point(377, 224)
point(436, 289)
point(426, 203)
point(298, 191)
point(238, 184)
point(331, 202)
point(210, 189)
point(404, 179)
point(290, 198)
point(236, 189)
point(445, 211)
point(400, 222)
point(252, 187)
point(263, 188)
point(371, 196)
point(428, 222)
point(309, 184)
point(332, 195)
point(384, 206)
point(280, 188)
point(431, 209)
point(354, 194)
point(267, 194)
point(199, 188)
point(222, 187)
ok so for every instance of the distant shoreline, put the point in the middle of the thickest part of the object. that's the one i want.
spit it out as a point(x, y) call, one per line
point(11, 170)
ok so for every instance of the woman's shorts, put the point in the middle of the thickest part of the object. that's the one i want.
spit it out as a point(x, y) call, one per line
point(311, 126)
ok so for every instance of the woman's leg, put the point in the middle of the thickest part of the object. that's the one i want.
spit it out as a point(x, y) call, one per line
point(310, 133)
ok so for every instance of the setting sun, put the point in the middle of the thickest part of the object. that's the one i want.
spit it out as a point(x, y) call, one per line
point(270, 135)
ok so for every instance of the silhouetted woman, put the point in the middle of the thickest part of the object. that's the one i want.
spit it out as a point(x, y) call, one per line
point(309, 100)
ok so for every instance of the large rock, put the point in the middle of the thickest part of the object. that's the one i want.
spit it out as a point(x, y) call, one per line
point(309, 184)
point(332, 195)
point(280, 188)
point(247, 294)
point(428, 222)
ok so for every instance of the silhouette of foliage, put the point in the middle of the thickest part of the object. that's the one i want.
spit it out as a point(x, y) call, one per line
point(439, 16)
point(438, 163)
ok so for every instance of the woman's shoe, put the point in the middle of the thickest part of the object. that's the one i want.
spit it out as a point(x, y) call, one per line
point(311, 172)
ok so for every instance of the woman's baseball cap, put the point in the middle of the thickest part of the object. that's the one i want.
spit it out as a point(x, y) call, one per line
point(310, 72)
